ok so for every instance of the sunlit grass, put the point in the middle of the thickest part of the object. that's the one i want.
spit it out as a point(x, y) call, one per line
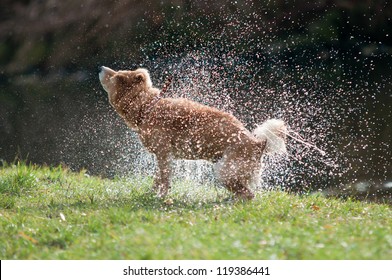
point(52, 213)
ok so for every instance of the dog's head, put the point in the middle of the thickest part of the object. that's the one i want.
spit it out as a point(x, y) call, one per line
point(124, 85)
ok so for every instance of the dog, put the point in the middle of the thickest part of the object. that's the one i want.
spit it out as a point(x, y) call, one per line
point(178, 128)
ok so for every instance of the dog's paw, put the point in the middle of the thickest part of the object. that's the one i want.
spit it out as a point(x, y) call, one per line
point(244, 195)
point(161, 190)
point(168, 202)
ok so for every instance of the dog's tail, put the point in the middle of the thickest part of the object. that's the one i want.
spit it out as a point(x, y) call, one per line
point(273, 131)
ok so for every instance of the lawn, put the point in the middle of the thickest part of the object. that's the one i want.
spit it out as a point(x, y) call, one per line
point(53, 213)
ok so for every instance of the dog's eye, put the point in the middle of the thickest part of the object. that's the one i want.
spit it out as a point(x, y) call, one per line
point(120, 78)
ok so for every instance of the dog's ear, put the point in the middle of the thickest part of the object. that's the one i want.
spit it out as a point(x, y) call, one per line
point(140, 77)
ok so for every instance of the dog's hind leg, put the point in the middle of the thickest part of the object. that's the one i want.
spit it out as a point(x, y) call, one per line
point(240, 168)
point(239, 189)
point(236, 175)
point(162, 178)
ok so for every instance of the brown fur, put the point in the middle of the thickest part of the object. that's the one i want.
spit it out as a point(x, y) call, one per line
point(177, 128)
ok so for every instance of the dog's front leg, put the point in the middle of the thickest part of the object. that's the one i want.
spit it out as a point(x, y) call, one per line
point(162, 178)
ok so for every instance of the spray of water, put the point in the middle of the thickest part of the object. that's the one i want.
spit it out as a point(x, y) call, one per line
point(257, 77)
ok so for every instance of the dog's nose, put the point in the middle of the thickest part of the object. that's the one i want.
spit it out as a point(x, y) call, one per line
point(103, 68)
point(101, 73)
point(107, 69)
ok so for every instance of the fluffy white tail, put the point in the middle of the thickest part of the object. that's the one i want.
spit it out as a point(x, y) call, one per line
point(274, 132)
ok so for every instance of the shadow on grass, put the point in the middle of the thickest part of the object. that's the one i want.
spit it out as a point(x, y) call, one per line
point(142, 200)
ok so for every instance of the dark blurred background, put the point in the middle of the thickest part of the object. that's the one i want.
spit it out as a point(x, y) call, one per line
point(324, 66)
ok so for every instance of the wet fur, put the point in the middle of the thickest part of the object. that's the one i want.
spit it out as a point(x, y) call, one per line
point(177, 128)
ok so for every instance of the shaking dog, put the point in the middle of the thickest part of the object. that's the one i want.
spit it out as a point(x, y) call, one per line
point(178, 128)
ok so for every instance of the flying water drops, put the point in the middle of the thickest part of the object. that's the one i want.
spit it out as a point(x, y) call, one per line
point(245, 69)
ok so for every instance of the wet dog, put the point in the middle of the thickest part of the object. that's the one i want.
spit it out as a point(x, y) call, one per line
point(178, 128)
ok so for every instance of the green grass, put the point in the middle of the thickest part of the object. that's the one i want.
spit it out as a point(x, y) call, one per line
point(52, 213)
